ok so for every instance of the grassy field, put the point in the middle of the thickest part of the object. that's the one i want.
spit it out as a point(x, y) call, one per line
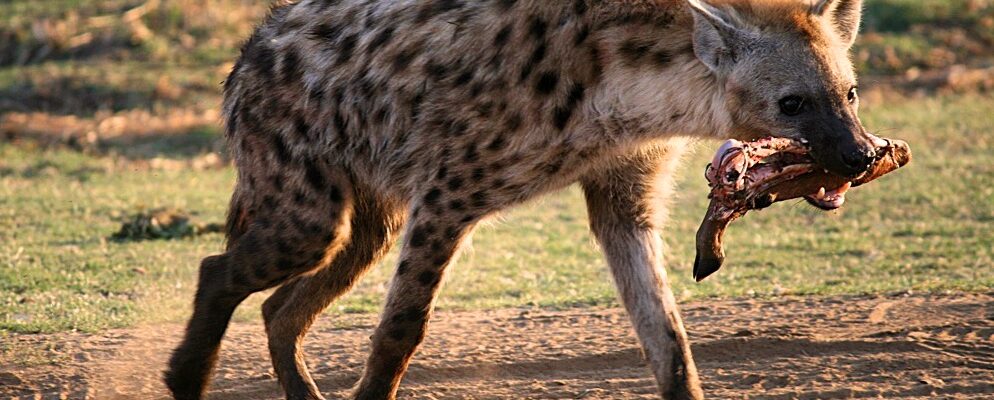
point(82, 66)
point(925, 228)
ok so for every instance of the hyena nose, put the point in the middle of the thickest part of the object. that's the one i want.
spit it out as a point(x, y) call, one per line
point(860, 160)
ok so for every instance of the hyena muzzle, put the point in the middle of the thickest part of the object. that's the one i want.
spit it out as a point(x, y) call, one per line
point(350, 120)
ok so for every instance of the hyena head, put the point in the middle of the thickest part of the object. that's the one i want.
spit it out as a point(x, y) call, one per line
point(786, 72)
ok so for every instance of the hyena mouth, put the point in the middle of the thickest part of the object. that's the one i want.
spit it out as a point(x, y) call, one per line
point(753, 175)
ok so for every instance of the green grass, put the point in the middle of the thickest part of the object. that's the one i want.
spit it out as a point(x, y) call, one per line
point(927, 227)
point(901, 15)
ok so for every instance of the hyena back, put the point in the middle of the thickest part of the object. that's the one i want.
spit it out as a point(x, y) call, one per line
point(350, 120)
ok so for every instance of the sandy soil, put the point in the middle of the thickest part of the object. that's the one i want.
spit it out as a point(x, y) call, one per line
point(908, 347)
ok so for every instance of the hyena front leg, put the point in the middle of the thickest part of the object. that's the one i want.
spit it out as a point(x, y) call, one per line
point(290, 311)
point(431, 241)
point(624, 208)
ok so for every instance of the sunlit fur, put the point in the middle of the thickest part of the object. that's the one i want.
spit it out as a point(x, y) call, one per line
point(351, 120)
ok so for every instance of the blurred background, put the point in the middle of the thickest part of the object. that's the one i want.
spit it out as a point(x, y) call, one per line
point(113, 175)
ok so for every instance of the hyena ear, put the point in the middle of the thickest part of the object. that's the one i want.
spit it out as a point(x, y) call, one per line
point(719, 36)
point(844, 15)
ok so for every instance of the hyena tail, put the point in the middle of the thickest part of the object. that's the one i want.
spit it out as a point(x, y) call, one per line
point(238, 211)
point(237, 220)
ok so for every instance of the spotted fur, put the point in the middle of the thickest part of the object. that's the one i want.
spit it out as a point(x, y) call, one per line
point(350, 120)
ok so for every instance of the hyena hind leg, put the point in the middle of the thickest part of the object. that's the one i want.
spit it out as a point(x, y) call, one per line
point(290, 311)
point(283, 237)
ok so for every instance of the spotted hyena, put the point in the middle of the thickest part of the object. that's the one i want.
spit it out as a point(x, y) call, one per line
point(353, 120)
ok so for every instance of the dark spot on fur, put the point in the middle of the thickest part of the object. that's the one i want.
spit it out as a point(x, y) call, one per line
point(292, 70)
point(302, 128)
point(456, 128)
point(437, 7)
point(403, 267)
point(554, 166)
point(299, 197)
point(457, 205)
point(581, 35)
point(636, 53)
point(661, 58)
point(316, 95)
point(442, 172)
point(280, 148)
point(580, 7)
point(436, 246)
point(416, 102)
point(419, 236)
point(404, 58)
point(326, 32)
point(260, 56)
point(270, 202)
point(474, 91)
point(463, 78)
point(232, 123)
point(502, 36)
point(381, 39)
point(335, 194)
point(537, 27)
point(478, 199)
point(455, 183)
point(428, 278)
point(381, 115)
point(596, 68)
point(471, 154)
point(433, 195)
point(536, 57)
point(314, 175)
point(546, 82)
point(340, 124)
point(506, 5)
point(429, 229)
point(345, 49)
point(498, 143)
point(436, 70)
point(514, 122)
point(478, 174)
point(564, 112)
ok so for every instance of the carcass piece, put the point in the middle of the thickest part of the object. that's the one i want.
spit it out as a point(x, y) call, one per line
point(753, 175)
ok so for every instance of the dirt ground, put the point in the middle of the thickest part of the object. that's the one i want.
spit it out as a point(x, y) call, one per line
point(900, 346)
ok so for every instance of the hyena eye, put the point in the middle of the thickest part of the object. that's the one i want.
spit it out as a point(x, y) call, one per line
point(792, 105)
point(852, 95)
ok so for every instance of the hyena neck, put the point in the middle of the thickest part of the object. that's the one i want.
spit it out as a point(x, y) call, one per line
point(653, 85)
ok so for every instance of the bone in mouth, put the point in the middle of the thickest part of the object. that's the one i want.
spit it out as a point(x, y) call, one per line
point(753, 175)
